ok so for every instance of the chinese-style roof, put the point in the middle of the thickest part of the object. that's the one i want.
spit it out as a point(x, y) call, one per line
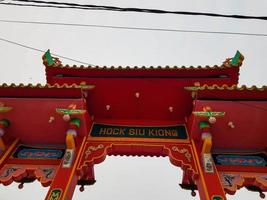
point(228, 72)
point(161, 89)
point(43, 91)
point(35, 106)
point(244, 107)
point(247, 131)
point(226, 92)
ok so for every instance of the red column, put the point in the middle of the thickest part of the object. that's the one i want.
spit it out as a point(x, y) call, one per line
point(5, 155)
point(65, 180)
point(4, 123)
point(208, 183)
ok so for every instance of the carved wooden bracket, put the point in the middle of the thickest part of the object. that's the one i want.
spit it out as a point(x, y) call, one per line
point(232, 181)
point(180, 155)
point(13, 172)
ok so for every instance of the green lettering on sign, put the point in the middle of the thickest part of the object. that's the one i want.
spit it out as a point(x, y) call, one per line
point(55, 194)
point(161, 132)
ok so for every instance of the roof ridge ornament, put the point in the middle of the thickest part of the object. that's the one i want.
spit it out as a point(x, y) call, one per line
point(48, 58)
point(236, 61)
point(50, 61)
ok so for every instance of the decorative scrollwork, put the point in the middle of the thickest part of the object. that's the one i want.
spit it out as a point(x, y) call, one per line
point(8, 172)
point(228, 179)
point(44, 173)
point(48, 172)
point(91, 149)
point(235, 180)
point(184, 151)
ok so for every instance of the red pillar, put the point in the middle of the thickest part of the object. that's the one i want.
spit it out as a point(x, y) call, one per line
point(64, 183)
point(208, 183)
point(5, 155)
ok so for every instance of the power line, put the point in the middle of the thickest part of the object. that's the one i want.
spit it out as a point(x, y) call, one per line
point(43, 6)
point(131, 28)
point(43, 51)
point(121, 9)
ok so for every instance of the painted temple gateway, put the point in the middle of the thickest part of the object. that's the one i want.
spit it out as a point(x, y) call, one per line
point(198, 117)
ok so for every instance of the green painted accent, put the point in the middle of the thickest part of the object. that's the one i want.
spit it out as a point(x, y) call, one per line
point(55, 194)
point(162, 132)
point(204, 124)
point(76, 121)
point(5, 122)
point(208, 114)
point(234, 61)
point(192, 88)
point(201, 114)
point(217, 114)
point(69, 111)
point(49, 58)
point(5, 109)
point(87, 86)
point(217, 197)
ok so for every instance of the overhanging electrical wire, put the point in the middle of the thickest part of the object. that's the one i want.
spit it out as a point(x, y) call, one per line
point(43, 6)
point(43, 51)
point(131, 28)
point(121, 9)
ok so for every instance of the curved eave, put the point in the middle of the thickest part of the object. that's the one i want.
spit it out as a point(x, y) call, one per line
point(58, 70)
point(226, 92)
point(138, 68)
point(42, 91)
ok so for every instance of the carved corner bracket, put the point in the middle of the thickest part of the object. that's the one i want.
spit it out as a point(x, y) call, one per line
point(232, 181)
point(181, 155)
point(12, 172)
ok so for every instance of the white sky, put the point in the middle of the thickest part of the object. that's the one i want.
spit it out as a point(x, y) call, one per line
point(132, 178)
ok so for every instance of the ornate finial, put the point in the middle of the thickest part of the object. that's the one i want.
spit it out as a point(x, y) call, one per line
point(193, 193)
point(81, 188)
point(262, 195)
point(48, 58)
point(21, 185)
point(236, 61)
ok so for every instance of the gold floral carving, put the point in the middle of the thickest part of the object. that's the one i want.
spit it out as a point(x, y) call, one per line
point(184, 151)
point(91, 149)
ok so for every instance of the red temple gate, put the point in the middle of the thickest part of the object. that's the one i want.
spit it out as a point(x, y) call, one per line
point(198, 117)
